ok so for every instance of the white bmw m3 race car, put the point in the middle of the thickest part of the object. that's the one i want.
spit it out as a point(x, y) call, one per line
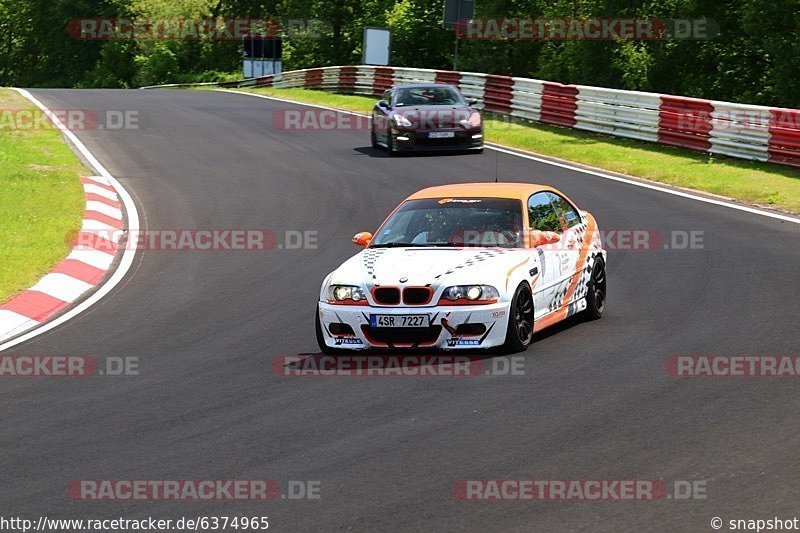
point(466, 266)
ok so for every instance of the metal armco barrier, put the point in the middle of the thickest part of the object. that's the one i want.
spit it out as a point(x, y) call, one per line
point(737, 130)
point(559, 104)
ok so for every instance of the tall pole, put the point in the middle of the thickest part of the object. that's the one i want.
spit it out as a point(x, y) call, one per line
point(458, 21)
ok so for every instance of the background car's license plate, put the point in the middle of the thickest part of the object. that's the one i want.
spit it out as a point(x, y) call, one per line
point(441, 134)
point(399, 321)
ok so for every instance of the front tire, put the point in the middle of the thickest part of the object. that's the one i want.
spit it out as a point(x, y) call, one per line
point(519, 333)
point(373, 138)
point(390, 146)
point(596, 293)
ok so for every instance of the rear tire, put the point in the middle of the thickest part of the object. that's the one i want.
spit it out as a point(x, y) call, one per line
point(596, 291)
point(519, 333)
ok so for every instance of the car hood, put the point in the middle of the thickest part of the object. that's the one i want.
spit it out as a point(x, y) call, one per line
point(435, 116)
point(432, 108)
point(430, 266)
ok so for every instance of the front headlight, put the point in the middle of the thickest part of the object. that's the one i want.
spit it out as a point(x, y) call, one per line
point(474, 121)
point(402, 121)
point(346, 294)
point(471, 294)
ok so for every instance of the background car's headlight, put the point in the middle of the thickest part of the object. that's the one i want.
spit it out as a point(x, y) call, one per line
point(471, 293)
point(474, 121)
point(338, 294)
point(402, 121)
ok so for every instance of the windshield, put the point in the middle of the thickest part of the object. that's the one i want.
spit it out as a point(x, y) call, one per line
point(456, 222)
point(434, 95)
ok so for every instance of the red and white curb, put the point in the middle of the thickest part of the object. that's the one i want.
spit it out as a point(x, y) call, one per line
point(26, 315)
point(82, 270)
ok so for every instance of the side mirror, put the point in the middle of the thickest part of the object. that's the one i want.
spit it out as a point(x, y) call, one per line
point(472, 101)
point(539, 238)
point(362, 239)
point(383, 103)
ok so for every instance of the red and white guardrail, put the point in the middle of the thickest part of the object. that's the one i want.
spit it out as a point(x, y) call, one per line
point(738, 130)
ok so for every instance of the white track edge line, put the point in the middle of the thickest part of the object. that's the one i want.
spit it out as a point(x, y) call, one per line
point(637, 183)
point(128, 255)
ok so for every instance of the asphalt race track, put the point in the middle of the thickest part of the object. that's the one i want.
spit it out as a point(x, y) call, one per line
point(595, 401)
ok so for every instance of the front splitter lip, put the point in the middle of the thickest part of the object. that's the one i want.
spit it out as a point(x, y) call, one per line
point(456, 148)
point(414, 136)
point(493, 316)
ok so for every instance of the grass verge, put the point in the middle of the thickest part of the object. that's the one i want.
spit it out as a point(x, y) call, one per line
point(41, 197)
point(764, 184)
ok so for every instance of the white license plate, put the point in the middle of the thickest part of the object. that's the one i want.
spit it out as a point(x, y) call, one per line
point(399, 321)
point(441, 134)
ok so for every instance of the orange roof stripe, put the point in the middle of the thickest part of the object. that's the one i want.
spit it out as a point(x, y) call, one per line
point(481, 190)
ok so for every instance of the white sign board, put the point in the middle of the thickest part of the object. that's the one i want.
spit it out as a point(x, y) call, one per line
point(377, 42)
point(255, 68)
